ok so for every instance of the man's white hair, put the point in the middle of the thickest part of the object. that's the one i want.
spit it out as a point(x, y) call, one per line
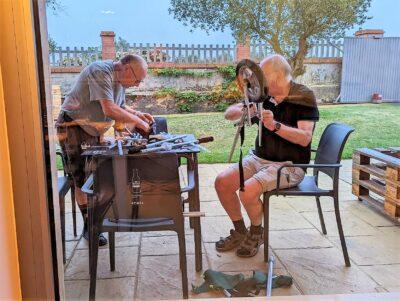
point(277, 62)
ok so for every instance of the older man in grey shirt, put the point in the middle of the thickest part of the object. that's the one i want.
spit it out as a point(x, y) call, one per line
point(96, 100)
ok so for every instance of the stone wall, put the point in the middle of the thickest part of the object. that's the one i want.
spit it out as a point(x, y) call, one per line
point(323, 78)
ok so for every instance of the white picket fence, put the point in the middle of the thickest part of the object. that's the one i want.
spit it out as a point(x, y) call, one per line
point(184, 54)
point(320, 49)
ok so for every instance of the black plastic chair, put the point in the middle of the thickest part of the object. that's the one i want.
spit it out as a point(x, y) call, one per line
point(65, 183)
point(191, 189)
point(161, 125)
point(134, 193)
point(327, 161)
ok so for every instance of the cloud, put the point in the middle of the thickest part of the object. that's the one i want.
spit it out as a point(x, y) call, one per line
point(107, 12)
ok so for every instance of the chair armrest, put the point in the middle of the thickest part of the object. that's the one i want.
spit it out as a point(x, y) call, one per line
point(88, 184)
point(191, 183)
point(336, 166)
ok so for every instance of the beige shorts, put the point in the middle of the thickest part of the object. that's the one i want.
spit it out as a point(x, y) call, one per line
point(266, 172)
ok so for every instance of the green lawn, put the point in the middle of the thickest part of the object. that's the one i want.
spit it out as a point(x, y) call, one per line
point(375, 126)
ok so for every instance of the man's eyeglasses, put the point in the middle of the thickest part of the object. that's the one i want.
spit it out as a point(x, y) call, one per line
point(134, 74)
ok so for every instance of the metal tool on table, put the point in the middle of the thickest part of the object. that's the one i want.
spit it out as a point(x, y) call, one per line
point(255, 92)
point(168, 145)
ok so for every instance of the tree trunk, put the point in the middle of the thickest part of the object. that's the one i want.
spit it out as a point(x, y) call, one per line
point(297, 61)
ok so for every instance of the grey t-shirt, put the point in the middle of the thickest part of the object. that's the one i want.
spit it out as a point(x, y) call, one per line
point(95, 82)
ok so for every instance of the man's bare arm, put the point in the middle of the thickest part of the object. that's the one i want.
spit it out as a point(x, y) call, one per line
point(234, 112)
point(115, 112)
point(301, 135)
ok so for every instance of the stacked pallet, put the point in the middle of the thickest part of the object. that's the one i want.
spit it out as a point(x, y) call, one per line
point(376, 178)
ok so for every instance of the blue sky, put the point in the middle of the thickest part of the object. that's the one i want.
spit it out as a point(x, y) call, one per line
point(148, 21)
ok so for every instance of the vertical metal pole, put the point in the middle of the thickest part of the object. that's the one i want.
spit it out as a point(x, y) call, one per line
point(269, 278)
point(260, 123)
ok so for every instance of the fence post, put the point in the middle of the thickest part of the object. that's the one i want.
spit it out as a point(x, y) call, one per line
point(108, 45)
point(243, 50)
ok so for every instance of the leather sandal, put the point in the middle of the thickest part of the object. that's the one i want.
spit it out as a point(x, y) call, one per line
point(230, 242)
point(250, 245)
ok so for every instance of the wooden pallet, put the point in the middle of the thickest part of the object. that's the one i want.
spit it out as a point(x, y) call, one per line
point(376, 178)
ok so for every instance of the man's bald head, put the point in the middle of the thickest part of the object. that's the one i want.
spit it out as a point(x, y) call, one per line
point(276, 63)
point(135, 60)
point(131, 70)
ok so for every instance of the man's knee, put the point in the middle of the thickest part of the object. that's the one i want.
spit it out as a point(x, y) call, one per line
point(252, 191)
point(248, 195)
point(224, 182)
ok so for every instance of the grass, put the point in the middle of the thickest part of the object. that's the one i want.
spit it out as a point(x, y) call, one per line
point(375, 126)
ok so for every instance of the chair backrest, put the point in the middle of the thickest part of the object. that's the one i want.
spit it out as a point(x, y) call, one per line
point(161, 125)
point(139, 186)
point(331, 146)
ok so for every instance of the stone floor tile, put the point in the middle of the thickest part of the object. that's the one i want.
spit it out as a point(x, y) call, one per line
point(206, 170)
point(69, 230)
point(372, 250)
point(70, 248)
point(229, 262)
point(352, 225)
point(165, 245)
point(304, 204)
point(287, 219)
point(160, 277)
point(208, 194)
point(207, 182)
point(298, 239)
point(369, 215)
point(393, 289)
point(215, 227)
point(125, 264)
point(213, 208)
point(395, 230)
point(220, 167)
point(322, 271)
point(106, 289)
point(386, 275)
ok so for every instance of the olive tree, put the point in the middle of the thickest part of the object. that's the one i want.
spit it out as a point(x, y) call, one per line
point(289, 27)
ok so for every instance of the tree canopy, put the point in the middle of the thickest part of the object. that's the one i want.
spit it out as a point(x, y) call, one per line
point(289, 27)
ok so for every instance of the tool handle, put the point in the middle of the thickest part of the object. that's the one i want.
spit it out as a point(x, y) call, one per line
point(205, 139)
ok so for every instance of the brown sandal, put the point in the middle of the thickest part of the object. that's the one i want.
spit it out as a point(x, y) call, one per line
point(250, 245)
point(230, 242)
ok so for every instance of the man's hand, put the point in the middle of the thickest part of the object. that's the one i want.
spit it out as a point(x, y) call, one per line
point(145, 117)
point(268, 120)
point(140, 126)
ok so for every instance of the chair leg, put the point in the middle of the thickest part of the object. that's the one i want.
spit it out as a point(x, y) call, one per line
point(266, 225)
point(94, 233)
point(197, 245)
point(182, 262)
point(321, 216)
point(111, 246)
point(73, 202)
point(340, 229)
point(62, 219)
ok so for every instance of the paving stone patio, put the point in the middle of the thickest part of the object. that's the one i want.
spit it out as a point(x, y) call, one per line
point(147, 264)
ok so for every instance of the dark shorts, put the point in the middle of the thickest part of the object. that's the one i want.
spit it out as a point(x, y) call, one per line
point(71, 138)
